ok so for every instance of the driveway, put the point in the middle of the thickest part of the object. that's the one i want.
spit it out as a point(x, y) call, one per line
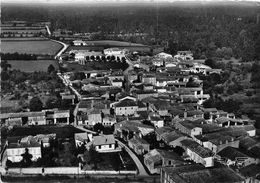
point(138, 163)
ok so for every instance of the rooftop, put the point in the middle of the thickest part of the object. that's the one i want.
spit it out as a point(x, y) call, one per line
point(199, 174)
point(197, 148)
point(103, 140)
point(232, 153)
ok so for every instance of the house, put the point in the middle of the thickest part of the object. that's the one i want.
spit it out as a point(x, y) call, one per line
point(148, 79)
point(160, 131)
point(105, 144)
point(156, 120)
point(183, 56)
point(117, 52)
point(82, 138)
point(173, 138)
point(126, 107)
point(199, 174)
point(157, 158)
point(199, 68)
point(163, 55)
point(117, 82)
point(129, 129)
point(45, 139)
point(188, 128)
point(250, 129)
point(79, 43)
point(108, 120)
point(198, 153)
point(227, 122)
point(15, 150)
point(234, 156)
point(250, 173)
point(142, 94)
point(139, 145)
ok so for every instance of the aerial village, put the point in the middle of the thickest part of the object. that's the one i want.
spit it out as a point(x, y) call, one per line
point(147, 119)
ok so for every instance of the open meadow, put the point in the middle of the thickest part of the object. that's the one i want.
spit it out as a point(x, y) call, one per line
point(32, 66)
point(41, 47)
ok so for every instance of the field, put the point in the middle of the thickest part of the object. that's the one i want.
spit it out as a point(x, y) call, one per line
point(31, 47)
point(100, 45)
point(31, 66)
point(96, 66)
point(112, 43)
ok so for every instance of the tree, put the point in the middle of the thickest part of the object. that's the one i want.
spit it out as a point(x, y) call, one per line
point(123, 59)
point(27, 158)
point(52, 102)
point(98, 127)
point(113, 57)
point(92, 57)
point(211, 63)
point(5, 65)
point(191, 83)
point(35, 104)
point(51, 69)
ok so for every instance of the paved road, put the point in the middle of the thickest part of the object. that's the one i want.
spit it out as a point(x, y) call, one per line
point(65, 46)
point(141, 169)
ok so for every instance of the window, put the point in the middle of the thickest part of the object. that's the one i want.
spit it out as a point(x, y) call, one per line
point(169, 162)
point(99, 147)
point(110, 145)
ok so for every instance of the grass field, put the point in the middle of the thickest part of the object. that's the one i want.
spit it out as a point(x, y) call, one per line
point(31, 66)
point(99, 45)
point(31, 47)
point(112, 43)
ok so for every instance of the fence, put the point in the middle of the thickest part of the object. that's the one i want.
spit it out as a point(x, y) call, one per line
point(66, 171)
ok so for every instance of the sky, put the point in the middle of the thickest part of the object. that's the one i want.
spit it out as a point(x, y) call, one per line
point(91, 1)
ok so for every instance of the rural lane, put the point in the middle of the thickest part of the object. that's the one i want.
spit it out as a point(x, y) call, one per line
point(138, 163)
point(65, 46)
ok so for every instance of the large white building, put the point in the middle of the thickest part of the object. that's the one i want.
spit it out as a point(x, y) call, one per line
point(79, 43)
point(116, 52)
point(105, 143)
point(15, 150)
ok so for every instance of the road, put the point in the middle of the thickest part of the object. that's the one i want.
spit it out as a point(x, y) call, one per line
point(65, 46)
point(141, 169)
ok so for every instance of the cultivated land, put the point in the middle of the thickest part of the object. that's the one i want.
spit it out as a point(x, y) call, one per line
point(32, 66)
point(31, 47)
point(112, 43)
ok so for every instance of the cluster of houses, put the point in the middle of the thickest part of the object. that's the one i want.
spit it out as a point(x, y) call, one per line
point(160, 116)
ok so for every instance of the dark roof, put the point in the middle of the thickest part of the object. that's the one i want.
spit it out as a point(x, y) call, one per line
point(197, 148)
point(163, 130)
point(139, 92)
point(231, 153)
point(126, 103)
point(199, 174)
point(250, 171)
point(171, 136)
point(85, 104)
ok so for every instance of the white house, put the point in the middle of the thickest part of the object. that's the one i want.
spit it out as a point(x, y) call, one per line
point(197, 153)
point(116, 52)
point(105, 143)
point(184, 55)
point(14, 151)
point(82, 138)
point(79, 43)
point(126, 107)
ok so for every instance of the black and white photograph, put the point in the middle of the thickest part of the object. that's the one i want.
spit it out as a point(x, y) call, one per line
point(130, 91)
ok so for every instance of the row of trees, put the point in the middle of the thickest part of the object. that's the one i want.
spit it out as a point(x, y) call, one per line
point(18, 56)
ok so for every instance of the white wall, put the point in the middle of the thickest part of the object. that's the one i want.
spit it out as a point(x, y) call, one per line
point(126, 110)
point(105, 148)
